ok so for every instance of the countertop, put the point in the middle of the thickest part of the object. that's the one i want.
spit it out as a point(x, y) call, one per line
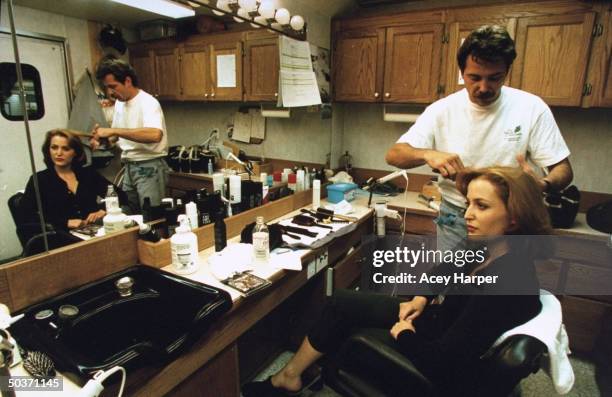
point(412, 204)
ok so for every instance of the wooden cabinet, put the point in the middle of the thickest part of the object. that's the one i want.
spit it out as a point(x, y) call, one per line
point(413, 57)
point(144, 65)
point(167, 73)
point(195, 72)
point(395, 64)
point(226, 71)
point(457, 32)
point(552, 56)
point(358, 62)
point(261, 68)
point(562, 55)
point(599, 80)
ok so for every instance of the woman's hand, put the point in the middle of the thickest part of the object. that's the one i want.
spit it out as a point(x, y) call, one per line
point(412, 309)
point(95, 216)
point(401, 326)
point(75, 223)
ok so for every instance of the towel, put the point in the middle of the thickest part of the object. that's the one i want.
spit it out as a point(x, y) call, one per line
point(547, 327)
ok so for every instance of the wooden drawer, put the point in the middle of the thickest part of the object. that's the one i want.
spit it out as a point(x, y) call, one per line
point(584, 320)
point(348, 270)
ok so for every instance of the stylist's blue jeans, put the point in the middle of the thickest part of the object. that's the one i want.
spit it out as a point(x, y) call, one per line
point(451, 227)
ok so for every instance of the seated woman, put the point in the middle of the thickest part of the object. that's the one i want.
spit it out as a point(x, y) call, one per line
point(444, 341)
point(68, 191)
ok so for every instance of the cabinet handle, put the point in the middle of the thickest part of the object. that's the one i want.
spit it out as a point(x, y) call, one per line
point(276, 94)
point(212, 95)
point(387, 95)
point(206, 95)
point(376, 95)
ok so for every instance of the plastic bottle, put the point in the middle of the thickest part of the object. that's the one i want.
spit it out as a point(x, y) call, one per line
point(191, 210)
point(210, 167)
point(220, 233)
point(300, 176)
point(184, 246)
point(316, 194)
point(307, 184)
point(261, 242)
point(147, 213)
point(114, 220)
point(292, 182)
point(111, 200)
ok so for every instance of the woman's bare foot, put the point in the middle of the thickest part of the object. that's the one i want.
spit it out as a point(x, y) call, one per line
point(287, 380)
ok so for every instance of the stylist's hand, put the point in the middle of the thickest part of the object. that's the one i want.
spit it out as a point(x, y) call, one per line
point(449, 164)
point(75, 223)
point(412, 309)
point(527, 169)
point(401, 326)
point(95, 216)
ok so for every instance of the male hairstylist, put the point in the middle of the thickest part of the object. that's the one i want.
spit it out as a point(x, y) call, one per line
point(483, 125)
point(139, 129)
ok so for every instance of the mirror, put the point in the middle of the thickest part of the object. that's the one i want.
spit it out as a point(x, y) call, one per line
point(306, 137)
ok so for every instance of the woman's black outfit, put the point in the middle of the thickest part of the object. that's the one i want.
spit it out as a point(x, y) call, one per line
point(450, 337)
point(59, 204)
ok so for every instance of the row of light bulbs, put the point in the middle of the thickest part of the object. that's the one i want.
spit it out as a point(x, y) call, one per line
point(260, 11)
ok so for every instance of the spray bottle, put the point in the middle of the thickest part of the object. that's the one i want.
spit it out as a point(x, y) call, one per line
point(184, 246)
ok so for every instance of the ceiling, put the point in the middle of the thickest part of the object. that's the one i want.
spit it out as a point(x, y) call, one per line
point(110, 12)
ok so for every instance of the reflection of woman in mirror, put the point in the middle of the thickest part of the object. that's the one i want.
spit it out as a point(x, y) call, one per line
point(68, 190)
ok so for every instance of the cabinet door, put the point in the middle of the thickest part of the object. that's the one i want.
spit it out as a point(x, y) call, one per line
point(552, 56)
point(226, 72)
point(143, 63)
point(457, 33)
point(261, 65)
point(167, 73)
point(358, 60)
point(195, 72)
point(412, 63)
point(600, 68)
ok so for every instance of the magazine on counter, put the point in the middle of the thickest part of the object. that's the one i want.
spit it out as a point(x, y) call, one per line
point(246, 283)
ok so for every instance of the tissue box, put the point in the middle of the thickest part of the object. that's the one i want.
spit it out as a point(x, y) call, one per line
point(341, 191)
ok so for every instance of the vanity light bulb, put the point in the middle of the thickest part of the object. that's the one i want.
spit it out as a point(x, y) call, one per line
point(297, 22)
point(266, 9)
point(222, 5)
point(242, 12)
point(260, 19)
point(249, 5)
point(283, 16)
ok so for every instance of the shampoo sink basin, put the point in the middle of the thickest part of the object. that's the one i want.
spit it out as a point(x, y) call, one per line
point(139, 316)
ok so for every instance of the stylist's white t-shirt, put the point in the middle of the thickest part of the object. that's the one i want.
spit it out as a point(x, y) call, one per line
point(142, 111)
point(516, 123)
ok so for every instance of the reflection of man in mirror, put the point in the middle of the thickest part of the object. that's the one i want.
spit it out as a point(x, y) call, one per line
point(138, 127)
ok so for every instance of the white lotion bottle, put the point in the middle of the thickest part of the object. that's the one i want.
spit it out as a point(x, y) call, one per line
point(184, 246)
point(191, 210)
point(114, 220)
point(316, 194)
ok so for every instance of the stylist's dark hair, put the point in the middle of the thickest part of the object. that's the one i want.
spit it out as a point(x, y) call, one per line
point(118, 68)
point(73, 141)
point(490, 43)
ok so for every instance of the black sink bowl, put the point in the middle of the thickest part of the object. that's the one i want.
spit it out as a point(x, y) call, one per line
point(164, 314)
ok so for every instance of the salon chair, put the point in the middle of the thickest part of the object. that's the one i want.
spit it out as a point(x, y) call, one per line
point(368, 364)
point(30, 234)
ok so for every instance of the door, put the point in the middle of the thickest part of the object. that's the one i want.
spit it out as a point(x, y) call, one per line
point(457, 33)
point(167, 73)
point(358, 60)
point(143, 63)
point(48, 59)
point(261, 68)
point(195, 72)
point(226, 72)
point(412, 63)
point(552, 56)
